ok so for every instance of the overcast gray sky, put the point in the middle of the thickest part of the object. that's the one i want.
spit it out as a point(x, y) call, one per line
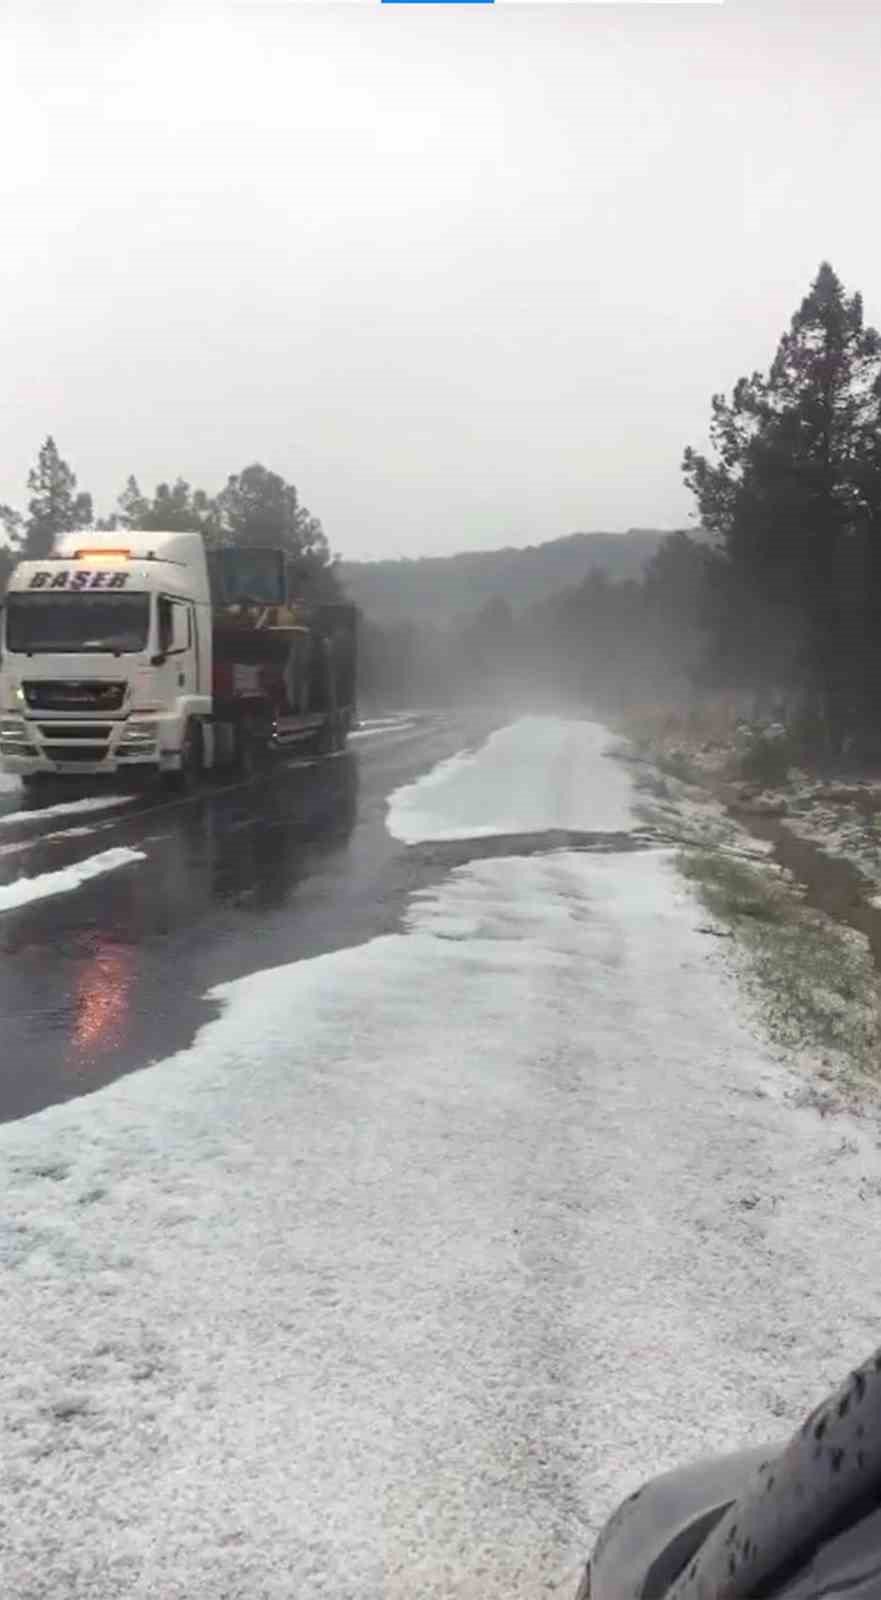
point(467, 275)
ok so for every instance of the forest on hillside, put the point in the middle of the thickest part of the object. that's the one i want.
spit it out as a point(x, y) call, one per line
point(775, 597)
point(439, 590)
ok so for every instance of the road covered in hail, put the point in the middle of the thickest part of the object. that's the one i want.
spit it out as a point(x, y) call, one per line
point(427, 1251)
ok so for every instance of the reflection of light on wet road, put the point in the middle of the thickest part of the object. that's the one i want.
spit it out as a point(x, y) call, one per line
point(102, 995)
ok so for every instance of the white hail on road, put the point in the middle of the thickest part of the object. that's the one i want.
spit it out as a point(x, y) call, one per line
point(427, 1251)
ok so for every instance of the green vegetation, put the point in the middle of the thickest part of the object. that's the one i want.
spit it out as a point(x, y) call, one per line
point(777, 599)
point(440, 591)
point(792, 495)
point(814, 980)
point(676, 764)
point(776, 603)
point(767, 761)
point(255, 507)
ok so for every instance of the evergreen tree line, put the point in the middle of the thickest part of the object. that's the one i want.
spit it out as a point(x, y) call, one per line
point(777, 594)
point(255, 507)
point(604, 642)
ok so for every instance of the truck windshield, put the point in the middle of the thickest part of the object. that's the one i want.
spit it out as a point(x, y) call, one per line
point(38, 623)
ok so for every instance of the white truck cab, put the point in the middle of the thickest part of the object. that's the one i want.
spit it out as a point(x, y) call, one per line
point(105, 654)
point(129, 651)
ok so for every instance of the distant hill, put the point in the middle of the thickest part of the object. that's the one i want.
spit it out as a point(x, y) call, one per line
point(441, 588)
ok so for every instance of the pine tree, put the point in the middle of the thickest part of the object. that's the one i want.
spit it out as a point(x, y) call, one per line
point(132, 506)
point(175, 507)
point(54, 506)
point(257, 507)
point(790, 497)
point(7, 562)
point(11, 526)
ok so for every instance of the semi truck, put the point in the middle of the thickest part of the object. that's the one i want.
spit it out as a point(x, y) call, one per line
point(134, 653)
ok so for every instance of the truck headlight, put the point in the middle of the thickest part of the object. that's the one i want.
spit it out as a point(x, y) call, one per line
point(12, 728)
point(140, 733)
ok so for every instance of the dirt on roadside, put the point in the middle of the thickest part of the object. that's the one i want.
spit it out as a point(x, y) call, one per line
point(823, 829)
point(804, 923)
point(831, 883)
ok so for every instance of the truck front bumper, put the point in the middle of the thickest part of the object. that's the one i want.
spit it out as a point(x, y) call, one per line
point(68, 749)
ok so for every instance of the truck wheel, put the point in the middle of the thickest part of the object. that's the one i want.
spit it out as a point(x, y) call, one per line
point(187, 777)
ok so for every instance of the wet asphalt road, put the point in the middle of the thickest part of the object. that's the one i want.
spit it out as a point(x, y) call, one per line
point(113, 975)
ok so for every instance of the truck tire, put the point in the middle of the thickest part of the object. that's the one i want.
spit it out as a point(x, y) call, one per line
point(186, 779)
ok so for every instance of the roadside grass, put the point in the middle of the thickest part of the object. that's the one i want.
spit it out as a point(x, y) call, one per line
point(677, 764)
point(813, 979)
point(679, 808)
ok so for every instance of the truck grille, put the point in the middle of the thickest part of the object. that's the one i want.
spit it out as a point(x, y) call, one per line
point(89, 694)
point(78, 752)
point(97, 732)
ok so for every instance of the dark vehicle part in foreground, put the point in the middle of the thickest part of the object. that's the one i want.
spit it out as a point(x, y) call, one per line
point(800, 1521)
